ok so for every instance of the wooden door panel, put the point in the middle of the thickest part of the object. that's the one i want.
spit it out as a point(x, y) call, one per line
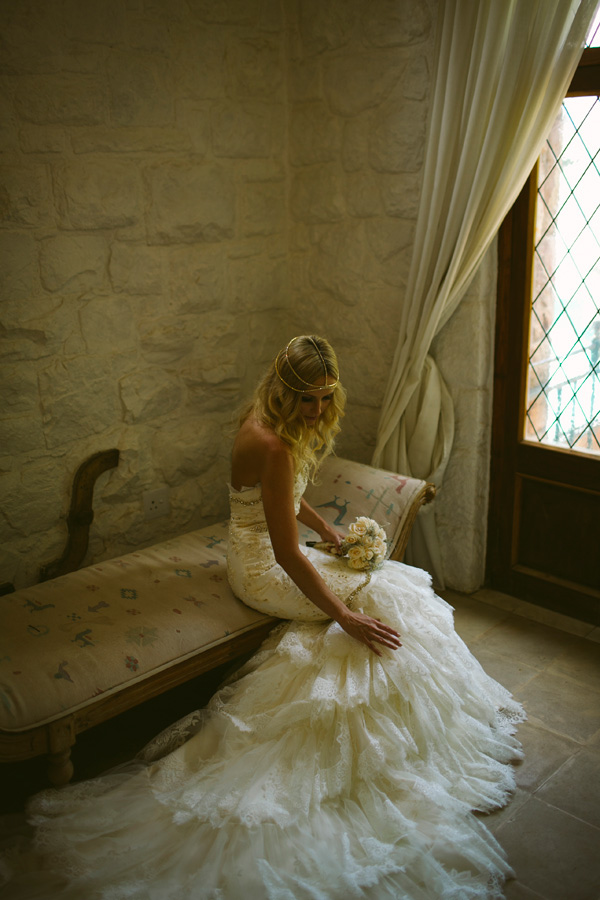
point(552, 534)
point(544, 515)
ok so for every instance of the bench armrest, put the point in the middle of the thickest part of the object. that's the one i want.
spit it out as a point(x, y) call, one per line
point(346, 489)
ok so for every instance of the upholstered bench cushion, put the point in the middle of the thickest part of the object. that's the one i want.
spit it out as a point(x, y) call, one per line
point(66, 643)
point(95, 631)
point(346, 490)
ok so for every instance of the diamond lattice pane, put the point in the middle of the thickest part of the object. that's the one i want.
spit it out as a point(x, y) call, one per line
point(563, 381)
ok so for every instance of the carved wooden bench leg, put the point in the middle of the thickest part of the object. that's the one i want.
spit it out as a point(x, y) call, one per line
point(61, 739)
point(60, 767)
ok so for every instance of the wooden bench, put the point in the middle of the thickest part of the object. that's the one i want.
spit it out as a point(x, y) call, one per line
point(80, 648)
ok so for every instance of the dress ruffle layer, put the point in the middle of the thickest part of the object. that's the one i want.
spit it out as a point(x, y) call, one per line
point(321, 772)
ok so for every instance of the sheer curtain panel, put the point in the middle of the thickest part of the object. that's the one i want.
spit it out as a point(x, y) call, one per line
point(503, 68)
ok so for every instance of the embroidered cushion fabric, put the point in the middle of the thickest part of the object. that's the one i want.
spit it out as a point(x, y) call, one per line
point(95, 631)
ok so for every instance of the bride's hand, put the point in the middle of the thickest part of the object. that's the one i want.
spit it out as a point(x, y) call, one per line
point(330, 536)
point(370, 631)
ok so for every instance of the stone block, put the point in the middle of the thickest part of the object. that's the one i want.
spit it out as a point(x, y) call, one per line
point(73, 261)
point(193, 119)
point(42, 139)
point(363, 197)
point(314, 134)
point(8, 130)
point(190, 203)
point(136, 269)
point(392, 271)
point(255, 66)
point(326, 26)
point(199, 63)
point(208, 398)
point(61, 99)
point(197, 281)
point(80, 414)
point(139, 92)
point(262, 170)
point(397, 141)
point(23, 510)
point(225, 12)
point(263, 209)
point(98, 194)
point(358, 82)
point(415, 81)
point(247, 130)
point(186, 449)
point(149, 393)
point(389, 237)
point(168, 340)
point(387, 23)
point(91, 23)
point(21, 434)
point(18, 266)
point(257, 284)
point(355, 144)
point(303, 81)
point(19, 392)
point(337, 264)
point(25, 197)
point(135, 139)
point(271, 17)
point(212, 373)
point(317, 195)
point(40, 328)
point(400, 194)
point(66, 376)
point(108, 327)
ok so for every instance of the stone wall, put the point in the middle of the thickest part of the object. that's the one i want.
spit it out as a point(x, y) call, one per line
point(143, 252)
point(359, 78)
point(186, 185)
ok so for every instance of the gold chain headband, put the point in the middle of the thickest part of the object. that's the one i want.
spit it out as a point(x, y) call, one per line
point(314, 387)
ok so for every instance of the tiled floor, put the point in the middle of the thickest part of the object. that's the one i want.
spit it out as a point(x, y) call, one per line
point(551, 829)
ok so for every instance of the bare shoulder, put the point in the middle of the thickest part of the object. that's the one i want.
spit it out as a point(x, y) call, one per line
point(257, 450)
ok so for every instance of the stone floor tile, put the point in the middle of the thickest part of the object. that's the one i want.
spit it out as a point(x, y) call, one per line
point(512, 675)
point(553, 853)
point(593, 743)
point(553, 619)
point(471, 618)
point(594, 635)
point(494, 820)
point(496, 598)
point(575, 787)
point(514, 890)
point(581, 663)
point(561, 705)
point(529, 642)
point(545, 753)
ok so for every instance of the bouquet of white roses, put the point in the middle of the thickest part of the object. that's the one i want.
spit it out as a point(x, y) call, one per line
point(365, 544)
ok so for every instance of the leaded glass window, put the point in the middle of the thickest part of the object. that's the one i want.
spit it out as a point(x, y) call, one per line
point(563, 384)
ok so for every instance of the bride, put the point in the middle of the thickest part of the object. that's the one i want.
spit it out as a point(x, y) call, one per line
point(344, 760)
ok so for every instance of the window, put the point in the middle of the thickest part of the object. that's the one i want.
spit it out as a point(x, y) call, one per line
point(563, 377)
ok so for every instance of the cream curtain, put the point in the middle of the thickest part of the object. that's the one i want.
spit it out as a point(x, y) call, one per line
point(503, 68)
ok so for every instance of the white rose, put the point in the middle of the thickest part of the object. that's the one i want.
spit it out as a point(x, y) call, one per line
point(359, 528)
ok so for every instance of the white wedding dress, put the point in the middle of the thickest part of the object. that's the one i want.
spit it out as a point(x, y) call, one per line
point(320, 772)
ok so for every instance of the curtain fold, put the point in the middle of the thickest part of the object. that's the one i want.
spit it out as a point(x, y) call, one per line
point(502, 71)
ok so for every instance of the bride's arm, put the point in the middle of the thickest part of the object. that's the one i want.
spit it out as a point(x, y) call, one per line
point(311, 518)
point(277, 481)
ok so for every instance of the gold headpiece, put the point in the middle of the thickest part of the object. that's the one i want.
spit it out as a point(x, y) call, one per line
point(308, 385)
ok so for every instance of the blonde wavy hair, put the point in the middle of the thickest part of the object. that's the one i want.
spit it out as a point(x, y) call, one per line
point(277, 399)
